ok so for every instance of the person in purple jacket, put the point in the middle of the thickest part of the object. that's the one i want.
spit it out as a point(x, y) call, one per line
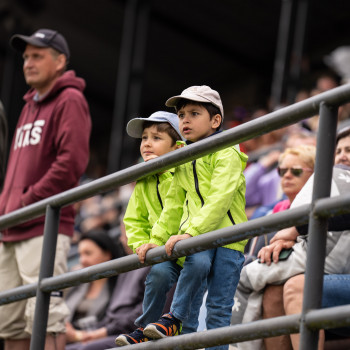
point(48, 155)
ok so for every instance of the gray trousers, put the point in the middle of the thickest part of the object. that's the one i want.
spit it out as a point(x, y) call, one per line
point(254, 278)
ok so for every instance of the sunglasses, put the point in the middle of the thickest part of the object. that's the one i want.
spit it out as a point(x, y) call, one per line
point(295, 171)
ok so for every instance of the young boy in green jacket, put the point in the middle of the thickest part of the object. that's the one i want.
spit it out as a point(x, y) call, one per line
point(158, 134)
point(205, 195)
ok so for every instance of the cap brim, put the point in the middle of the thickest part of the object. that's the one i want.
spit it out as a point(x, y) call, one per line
point(19, 42)
point(172, 101)
point(135, 127)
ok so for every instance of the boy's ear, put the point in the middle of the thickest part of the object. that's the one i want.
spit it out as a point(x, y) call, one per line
point(216, 120)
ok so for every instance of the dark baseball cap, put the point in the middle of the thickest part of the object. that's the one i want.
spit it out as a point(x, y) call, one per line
point(41, 38)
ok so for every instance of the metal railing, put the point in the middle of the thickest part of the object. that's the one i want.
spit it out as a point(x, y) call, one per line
point(316, 213)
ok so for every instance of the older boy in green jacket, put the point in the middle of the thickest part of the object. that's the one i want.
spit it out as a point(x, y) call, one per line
point(205, 195)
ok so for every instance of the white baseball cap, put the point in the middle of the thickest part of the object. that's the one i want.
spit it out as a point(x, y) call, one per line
point(201, 93)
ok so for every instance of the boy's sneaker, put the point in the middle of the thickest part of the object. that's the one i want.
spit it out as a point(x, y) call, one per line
point(135, 337)
point(166, 326)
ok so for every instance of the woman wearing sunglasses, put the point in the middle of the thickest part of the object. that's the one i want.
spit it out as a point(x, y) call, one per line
point(295, 166)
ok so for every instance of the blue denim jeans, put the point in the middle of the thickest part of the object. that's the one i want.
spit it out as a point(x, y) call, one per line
point(159, 281)
point(189, 287)
point(335, 293)
point(222, 283)
point(336, 290)
point(220, 268)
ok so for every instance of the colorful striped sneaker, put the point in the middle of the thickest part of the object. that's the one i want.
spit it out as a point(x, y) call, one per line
point(166, 326)
point(135, 337)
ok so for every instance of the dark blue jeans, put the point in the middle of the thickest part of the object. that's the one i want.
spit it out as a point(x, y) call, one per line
point(336, 292)
point(159, 281)
point(220, 268)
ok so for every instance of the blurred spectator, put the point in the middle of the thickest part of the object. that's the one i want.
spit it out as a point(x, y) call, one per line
point(49, 154)
point(326, 81)
point(338, 60)
point(273, 295)
point(114, 309)
point(100, 212)
point(88, 302)
point(296, 167)
point(103, 211)
point(236, 117)
point(261, 144)
point(302, 94)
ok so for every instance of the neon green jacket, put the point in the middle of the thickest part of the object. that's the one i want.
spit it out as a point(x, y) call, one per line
point(205, 195)
point(144, 207)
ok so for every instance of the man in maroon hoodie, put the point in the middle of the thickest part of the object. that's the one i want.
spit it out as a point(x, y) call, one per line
point(3, 143)
point(48, 155)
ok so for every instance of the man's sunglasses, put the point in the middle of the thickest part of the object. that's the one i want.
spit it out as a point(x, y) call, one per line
point(295, 171)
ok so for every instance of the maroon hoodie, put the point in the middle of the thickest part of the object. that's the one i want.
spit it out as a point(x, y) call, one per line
point(49, 153)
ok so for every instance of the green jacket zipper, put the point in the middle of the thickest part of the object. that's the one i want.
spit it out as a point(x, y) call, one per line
point(231, 218)
point(158, 194)
point(188, 215)
point(199, 194)
point(196, 182)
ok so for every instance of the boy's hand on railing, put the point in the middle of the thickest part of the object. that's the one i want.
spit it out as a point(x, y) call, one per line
point(273, 250)
point(143, 249)
point(169, 245)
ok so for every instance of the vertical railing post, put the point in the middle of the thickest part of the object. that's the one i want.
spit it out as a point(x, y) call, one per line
point(122, 86)
point(301, 22)
point(46, 270)
point(283, 47)
point(129, 145)
point(317, 236)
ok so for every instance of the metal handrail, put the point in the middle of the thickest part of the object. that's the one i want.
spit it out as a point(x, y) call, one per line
point(202, 242)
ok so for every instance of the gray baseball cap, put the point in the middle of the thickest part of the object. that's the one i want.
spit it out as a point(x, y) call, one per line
point(41, 38)
point(201, 93)
point(135, 126)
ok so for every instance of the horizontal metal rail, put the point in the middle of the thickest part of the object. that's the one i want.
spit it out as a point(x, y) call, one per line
point(333, 317)
point(205, 241)
point(208, 240)
point(225, 335)
point(245, 230)
point(316, 319)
